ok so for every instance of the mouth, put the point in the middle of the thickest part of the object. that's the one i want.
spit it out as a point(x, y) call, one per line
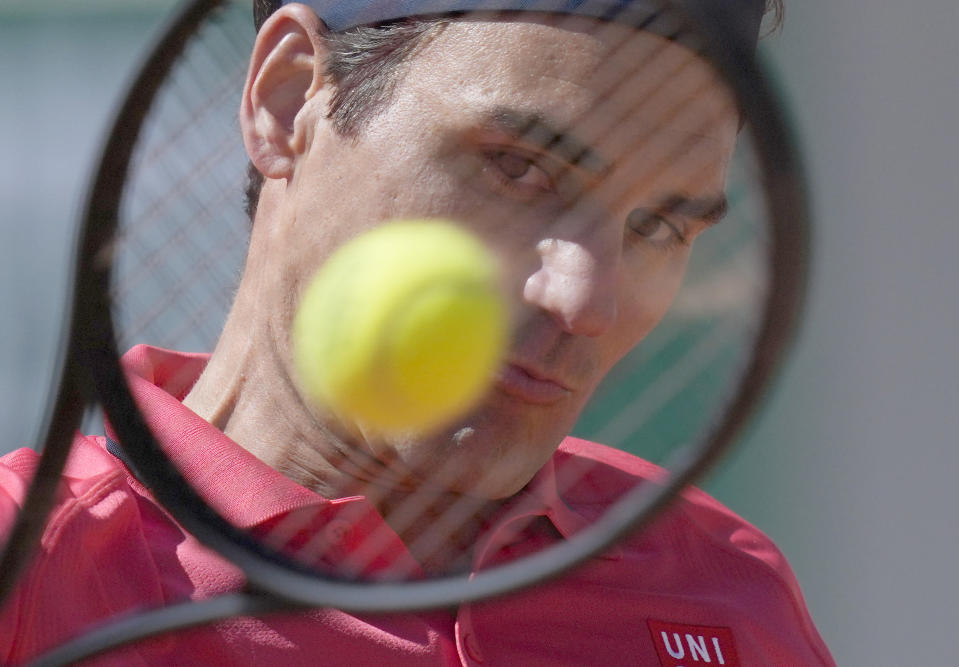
point(530, 385)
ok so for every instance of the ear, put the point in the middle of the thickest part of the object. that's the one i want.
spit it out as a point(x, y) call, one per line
point(286, 71)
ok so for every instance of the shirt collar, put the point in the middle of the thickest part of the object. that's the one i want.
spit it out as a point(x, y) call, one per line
point(249, 493)
point(243, 489)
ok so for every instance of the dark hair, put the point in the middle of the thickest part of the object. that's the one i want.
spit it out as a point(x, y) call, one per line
point(364, 65)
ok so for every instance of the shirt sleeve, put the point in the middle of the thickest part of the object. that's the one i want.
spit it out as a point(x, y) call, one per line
point(92, 560)
point(16, 471)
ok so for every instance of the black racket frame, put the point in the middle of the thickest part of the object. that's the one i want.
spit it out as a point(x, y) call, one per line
point(90, 357)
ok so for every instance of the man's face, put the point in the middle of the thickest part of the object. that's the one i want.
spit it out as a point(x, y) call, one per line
point(588, 156)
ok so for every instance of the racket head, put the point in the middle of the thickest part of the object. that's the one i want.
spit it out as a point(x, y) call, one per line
point(133, 284)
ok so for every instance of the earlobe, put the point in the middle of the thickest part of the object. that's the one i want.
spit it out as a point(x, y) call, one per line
point(286, 72)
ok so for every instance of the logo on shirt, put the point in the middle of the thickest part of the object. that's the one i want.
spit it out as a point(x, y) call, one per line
point(680, 645)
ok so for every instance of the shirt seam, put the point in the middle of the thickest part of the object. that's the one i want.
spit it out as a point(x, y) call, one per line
point(73, 506)
point(55, 525)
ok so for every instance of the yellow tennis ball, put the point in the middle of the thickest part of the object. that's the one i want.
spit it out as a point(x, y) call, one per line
point(402, 327)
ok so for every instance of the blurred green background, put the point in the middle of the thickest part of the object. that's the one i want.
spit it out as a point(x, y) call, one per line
point(851, 466)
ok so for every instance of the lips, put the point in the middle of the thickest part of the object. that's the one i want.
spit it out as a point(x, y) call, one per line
point(530, 385)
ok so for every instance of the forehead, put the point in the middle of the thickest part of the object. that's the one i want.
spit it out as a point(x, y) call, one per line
point(627, 93)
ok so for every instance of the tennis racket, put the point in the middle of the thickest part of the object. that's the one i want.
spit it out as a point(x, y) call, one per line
point(164, 236)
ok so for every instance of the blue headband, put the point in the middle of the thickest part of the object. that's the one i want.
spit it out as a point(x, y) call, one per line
point(744, 16)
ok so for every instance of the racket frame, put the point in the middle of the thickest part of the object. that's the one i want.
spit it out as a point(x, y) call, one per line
point(277, 582)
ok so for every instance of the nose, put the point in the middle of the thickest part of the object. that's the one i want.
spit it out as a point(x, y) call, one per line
point(576, 284)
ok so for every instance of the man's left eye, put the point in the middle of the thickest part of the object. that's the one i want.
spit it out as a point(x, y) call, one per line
point(653, 227)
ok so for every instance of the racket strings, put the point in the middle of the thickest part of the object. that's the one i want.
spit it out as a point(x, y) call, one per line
point(429, 531)
point(184, 233)
point(745, 289)
point(173, 280)
point(748, 293)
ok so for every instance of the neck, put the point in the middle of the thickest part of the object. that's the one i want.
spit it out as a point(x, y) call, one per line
point(244, 395)
point(248, 393)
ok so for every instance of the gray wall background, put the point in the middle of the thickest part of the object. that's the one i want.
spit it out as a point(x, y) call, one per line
point(851, 468)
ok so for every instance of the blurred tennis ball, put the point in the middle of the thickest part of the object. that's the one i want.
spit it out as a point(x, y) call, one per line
point(402, 327)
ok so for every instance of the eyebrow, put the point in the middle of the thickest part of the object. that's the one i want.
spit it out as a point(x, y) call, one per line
point(709, 209)
point(548, 136)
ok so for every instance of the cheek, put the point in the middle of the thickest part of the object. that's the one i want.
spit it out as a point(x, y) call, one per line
point(645, 297)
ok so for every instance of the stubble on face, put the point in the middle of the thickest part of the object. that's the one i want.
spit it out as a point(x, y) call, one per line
point(428, 154)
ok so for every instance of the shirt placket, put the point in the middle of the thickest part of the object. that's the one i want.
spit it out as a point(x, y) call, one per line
point(505, 532)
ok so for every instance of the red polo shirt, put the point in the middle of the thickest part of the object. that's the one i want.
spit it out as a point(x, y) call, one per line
point(699, 586)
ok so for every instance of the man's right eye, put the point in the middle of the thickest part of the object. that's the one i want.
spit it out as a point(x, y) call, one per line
point(518, 172)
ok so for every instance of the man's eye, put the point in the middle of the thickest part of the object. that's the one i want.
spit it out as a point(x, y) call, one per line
point(520, 171)
point(653, 227)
